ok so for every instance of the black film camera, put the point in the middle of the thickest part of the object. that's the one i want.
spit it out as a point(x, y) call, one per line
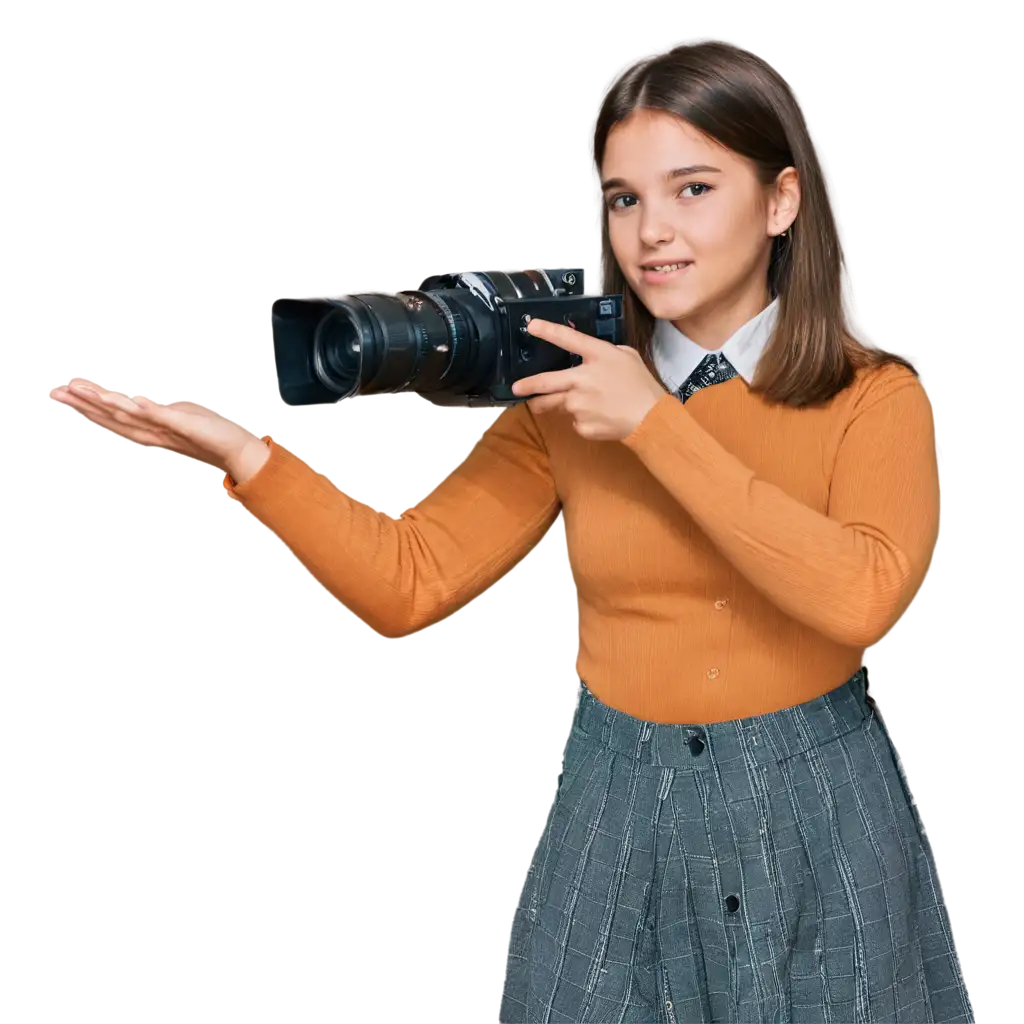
point(459, 339)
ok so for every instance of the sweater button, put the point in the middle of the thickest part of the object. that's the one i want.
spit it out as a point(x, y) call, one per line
point(712, 673)
point(721, 603)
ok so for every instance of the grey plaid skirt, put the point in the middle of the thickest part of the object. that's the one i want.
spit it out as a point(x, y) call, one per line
point(771, 868)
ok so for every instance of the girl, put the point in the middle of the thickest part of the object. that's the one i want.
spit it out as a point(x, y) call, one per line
point(751, 500)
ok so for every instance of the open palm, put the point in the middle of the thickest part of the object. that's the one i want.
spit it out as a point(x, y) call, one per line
point(183, 427)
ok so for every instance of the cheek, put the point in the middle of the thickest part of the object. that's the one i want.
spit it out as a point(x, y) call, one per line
point(624, 251)
point(619, 241)
point(723, 246)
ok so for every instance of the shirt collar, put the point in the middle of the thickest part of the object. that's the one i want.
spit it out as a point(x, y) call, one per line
point(676, 356)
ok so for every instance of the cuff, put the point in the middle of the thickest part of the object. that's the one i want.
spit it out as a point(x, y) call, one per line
point(665, 411)
point(240, 491)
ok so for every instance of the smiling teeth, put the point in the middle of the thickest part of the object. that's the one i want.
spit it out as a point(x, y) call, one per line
point(667, 267)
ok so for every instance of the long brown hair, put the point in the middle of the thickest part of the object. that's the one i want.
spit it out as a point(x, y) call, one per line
point(736, 98)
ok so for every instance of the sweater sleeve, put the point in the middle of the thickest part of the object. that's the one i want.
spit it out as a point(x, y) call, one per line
point(849, 574)
point(401, 575)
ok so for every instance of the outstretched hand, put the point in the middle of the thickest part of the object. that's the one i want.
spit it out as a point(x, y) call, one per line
point(607, 395)
point(182, 427)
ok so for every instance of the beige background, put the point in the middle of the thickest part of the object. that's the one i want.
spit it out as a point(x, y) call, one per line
point(217, 800)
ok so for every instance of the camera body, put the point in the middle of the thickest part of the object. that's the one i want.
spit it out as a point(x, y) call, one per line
point(459, 339)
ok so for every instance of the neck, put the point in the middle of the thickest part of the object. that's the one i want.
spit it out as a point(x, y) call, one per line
point(713, 324)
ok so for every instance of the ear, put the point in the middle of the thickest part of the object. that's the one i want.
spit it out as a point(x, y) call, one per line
point(784, 201)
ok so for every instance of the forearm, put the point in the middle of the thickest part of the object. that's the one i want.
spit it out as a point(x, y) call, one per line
point(400, 575)
point(849, 582)
point(848, 571)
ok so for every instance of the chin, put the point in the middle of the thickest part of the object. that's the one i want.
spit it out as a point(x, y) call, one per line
point(668, 307)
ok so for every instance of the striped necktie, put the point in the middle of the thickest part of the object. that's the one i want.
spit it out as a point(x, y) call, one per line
point(712, 369)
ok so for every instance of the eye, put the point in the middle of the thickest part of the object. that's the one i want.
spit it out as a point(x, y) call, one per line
point(615, 199)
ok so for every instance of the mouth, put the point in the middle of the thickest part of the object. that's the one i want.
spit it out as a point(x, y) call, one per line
point(677, 270)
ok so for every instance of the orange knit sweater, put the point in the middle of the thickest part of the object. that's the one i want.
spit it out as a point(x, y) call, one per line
point(731, 557)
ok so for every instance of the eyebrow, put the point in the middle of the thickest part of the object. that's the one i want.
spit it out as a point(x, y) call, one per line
point(679, 172)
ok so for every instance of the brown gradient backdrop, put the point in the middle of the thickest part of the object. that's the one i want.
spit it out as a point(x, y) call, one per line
point(218, 801)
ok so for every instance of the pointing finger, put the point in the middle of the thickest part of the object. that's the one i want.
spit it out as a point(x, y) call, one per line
point(566, 337)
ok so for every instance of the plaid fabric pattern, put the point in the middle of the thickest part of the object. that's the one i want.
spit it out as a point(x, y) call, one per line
point(712, 369)
point(771, 868)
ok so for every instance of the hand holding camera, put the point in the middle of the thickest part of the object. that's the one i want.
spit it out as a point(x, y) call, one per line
point(607, 395)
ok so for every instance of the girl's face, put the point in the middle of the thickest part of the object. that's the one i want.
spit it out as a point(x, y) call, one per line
point(713, 216)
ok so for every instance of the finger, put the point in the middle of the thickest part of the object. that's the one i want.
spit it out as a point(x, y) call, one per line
point(87, 383)
point(119, 407)
point(84, 401)
point(565, 337)
point(163, 421)
point(547, 383)
point(109, 398)
point(85, 391)
point(137, 434)
point(102, 409)
point(56, 394)
point(545, 403)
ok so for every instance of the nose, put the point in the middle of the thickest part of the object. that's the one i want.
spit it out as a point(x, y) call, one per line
point(655, 228)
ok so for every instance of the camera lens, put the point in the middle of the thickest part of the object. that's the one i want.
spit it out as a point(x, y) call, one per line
point(337, 350)
point(390, 342)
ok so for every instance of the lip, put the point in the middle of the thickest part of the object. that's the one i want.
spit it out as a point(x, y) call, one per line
point(653, 277)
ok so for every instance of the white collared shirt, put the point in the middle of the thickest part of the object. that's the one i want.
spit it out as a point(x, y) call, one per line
point(676, 356)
